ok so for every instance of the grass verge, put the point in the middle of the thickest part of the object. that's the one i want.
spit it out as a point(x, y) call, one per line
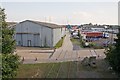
point(69, 69)
point(77, 42)
point(60, 42)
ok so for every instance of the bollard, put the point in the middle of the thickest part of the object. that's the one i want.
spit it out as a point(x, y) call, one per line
point(23, 59)
point(98, 56)
point(54, 49)
point(35, 59)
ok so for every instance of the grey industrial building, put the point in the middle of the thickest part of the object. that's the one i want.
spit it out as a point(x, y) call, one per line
point(35, 33)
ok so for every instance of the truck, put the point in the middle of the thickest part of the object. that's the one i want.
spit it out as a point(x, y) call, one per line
point(105, 35)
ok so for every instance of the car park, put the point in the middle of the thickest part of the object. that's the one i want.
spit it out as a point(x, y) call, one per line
point(106, 43)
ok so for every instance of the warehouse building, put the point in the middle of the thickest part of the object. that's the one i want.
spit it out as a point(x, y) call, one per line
point(91, 36)
point(40, 34)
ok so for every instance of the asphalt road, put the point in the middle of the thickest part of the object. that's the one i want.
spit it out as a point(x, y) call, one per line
point(76, 47)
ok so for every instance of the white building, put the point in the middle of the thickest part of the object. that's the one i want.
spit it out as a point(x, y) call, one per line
point(34, 33)
point(98, 29)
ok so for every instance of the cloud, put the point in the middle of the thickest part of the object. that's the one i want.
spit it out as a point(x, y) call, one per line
point(81, 17)
point(96, 17)
point(82, 14)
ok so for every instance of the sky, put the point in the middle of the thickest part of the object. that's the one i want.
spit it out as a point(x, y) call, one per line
point(63, 12)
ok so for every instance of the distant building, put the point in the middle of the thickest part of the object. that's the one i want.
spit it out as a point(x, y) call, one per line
point(98, 29)
point(34, 33)
point(92, 36)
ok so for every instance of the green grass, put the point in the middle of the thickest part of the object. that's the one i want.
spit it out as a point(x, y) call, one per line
point(0, 58)
point(73, 70)
point(53, 71)
point(43, 69)
point(75, 41)
point(0, 65)
point(60, 42)
point(29, 70)
point(61, 70)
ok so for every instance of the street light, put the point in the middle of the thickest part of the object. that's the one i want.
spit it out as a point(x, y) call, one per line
point(105, 34)
point(112, 35)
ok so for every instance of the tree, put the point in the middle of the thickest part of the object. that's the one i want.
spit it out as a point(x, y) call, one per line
point(10, 61)
point(90, 24)
point(79, 33)
point(113, 54)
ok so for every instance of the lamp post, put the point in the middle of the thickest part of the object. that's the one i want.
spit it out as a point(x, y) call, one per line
point(112, 35)
point(105, 34)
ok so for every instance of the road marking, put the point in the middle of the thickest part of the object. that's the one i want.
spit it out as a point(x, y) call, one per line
point(92, 52)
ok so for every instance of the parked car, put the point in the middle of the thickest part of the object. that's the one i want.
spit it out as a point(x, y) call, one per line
point(86, 44)
point(106, 43)
point(76, 37)
point(75, 33)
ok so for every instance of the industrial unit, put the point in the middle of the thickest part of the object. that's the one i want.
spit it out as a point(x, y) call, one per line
point(35, 33)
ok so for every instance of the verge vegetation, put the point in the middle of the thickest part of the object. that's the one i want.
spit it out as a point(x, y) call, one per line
point(60, 42)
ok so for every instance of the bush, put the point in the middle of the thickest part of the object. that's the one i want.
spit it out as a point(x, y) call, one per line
point(92, 44)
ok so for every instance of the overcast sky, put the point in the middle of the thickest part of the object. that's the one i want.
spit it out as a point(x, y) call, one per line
point(63, 12)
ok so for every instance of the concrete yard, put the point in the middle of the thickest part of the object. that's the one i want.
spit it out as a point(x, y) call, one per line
point(64, 53)
point(63, 63)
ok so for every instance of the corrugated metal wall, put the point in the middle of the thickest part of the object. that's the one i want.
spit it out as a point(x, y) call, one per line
point(31, 34)
point(57, 34)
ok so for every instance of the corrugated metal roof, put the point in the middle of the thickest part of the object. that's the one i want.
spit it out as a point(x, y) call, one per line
point(50, 25)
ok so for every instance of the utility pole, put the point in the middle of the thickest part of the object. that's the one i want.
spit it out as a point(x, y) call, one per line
point(112, 35)
point(105, 32)
point(67, 20)
point(49, 18)
point(45, 19)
